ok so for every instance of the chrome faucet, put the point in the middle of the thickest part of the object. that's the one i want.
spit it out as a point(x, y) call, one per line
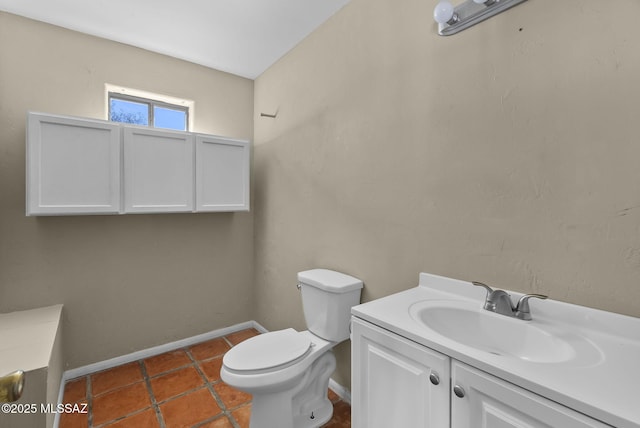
point(499, 301)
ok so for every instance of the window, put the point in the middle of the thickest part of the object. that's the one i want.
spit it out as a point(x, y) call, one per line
point(148, 112)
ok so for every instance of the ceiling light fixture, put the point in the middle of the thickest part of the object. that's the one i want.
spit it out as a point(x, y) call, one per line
point(452, 19)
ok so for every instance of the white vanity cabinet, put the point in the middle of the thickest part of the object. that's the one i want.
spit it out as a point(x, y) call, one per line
point(396, 382)
point(73, 166)
point(81, 166)
point(480, 400)
point(393, 385)
point(158, 170)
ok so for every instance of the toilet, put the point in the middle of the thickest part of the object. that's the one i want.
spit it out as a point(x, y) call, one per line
point(288, 371)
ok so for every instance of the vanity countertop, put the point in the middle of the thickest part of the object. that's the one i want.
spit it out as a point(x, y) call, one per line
point(604, 385)
point(27, 338)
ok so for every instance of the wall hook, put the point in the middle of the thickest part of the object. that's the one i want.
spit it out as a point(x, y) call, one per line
point(272, 116)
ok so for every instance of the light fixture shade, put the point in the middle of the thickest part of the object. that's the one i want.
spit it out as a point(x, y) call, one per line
point(443, 12)
point(452, 20)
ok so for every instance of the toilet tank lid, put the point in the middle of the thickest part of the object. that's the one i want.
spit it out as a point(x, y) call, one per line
point(329, 280)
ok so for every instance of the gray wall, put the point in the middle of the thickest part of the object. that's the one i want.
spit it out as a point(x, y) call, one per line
point(506, 154)
point(127, 282)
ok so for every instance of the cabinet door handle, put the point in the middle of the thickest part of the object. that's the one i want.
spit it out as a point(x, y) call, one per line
point(459, 391)
point(434, 378)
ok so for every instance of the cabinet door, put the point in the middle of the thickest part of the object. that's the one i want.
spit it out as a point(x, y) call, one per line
point(391, 384)
point(73, 166)
point(489, 402)
point(222, 174)
point(158, 171)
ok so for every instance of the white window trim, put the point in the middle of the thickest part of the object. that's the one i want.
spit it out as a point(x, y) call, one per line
point(189, 104)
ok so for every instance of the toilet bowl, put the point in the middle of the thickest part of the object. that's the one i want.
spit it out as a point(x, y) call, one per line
point(287, 371)
point(283, 364)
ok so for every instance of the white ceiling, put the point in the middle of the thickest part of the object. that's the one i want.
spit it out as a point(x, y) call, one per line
point(242, 37)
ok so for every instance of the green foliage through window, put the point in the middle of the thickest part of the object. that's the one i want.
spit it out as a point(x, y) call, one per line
point(142, 111)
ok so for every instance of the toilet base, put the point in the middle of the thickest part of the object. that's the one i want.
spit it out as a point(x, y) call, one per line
point(304, 405)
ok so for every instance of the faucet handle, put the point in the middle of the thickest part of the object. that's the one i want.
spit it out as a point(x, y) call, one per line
point(480, 284)
point(523, 311)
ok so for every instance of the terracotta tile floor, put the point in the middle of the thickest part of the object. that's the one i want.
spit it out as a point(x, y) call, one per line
point(180, 388)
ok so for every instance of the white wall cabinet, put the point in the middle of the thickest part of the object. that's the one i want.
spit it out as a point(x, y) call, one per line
point(158, 170)
point(222, 174)
point(73, 166)
point(85, 166)
point(393, 385)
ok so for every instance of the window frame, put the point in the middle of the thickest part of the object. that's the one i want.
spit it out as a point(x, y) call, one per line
point(150, 103)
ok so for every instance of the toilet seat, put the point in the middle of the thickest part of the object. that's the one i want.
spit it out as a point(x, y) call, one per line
point(267, 350)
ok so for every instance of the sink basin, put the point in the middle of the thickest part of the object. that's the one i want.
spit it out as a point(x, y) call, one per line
point(469, 324)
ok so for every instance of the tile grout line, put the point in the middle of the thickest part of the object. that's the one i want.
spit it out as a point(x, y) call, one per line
point(89, 388)
point(169, 371)
point(154, 402)
point(112, 390)
point(229, 413)
point(231, 345)
point(213, 392)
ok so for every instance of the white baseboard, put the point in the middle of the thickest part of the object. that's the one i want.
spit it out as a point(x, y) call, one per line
point(160, 349)
point(340, 391)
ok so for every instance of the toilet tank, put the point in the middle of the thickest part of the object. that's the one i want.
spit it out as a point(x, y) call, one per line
point(327, 298)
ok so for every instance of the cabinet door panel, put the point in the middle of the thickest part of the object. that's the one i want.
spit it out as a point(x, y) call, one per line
point(222, 174)
point(391, 386)
point(73, 166)
point(158, 171)
point(490, 402)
